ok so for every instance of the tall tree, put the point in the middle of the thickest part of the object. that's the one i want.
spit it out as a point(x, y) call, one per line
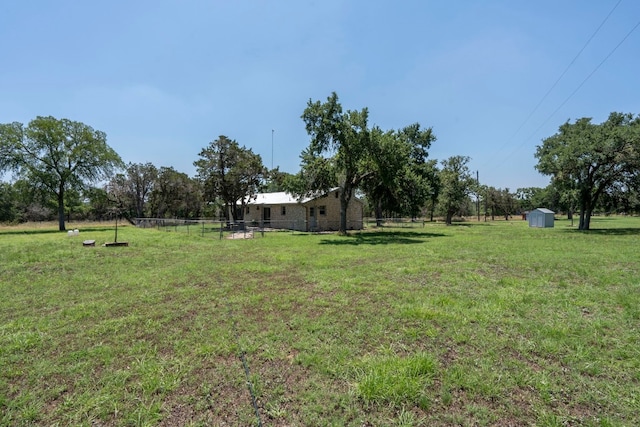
point(391, 167)
point(277, 180)
point(8, 211)
point(141, 178)
point(404, 180)
point(134, 187)
point(585, 159)
point(98, 203)
point(57, 156)
point(32, 204)
point(231, 173)
point(530, 198)
point(338, 153)
point(175, 195)
point(456, 183)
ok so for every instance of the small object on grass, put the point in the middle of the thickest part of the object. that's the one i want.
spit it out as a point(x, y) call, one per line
point(117, 244)
point(89, 243)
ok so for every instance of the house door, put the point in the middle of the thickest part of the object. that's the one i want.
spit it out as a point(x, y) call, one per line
point(312, 219)
point(266, 216)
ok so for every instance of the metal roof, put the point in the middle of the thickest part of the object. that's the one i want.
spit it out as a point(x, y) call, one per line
point(284, 198)
point(280, 198)
point(544, 210)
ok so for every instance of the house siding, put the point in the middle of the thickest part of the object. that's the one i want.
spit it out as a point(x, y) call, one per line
point(293, 219)
point(298, 215)
point(331, 219)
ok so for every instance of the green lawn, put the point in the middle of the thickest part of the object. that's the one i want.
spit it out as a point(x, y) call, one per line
point(474, 324)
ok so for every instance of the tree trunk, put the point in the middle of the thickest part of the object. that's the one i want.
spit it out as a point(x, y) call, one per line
point(582, 216)
point(378, 213)
point(449, 217)
point(345, 197)
point(587, 218)
point(61, 226)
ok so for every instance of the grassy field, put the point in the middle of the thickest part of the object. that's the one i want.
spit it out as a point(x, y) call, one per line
point(474, 324)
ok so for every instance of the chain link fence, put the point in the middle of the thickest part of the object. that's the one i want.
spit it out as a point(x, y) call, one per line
point(240, 229)
point(250, 229)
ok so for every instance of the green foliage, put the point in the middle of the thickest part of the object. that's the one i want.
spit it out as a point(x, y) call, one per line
point(498, 201)
point(7, 203)
point(229, 173)
point(456, 183)
point(337, 155)
point(57, 156)
point(391, 167)
point(132, 189)
point(277, 181)
point(586, 160)
point(175, 195)
point(403, 180)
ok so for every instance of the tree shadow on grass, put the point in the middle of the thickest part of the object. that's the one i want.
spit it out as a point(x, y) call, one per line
point(54, 231)
point(382, 238)
point(607, 231)
point(16, 232)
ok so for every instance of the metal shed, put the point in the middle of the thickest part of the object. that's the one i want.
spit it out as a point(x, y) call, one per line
point(541, 218)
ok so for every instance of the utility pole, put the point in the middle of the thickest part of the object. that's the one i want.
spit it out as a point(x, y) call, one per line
point(478, 194)
point(272, 131)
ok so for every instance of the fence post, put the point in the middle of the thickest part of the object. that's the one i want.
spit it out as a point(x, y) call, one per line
point(220, 230)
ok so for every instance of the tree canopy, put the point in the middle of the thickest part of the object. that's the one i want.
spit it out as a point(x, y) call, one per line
point(230, 173)
point(57, 156)
point(133, 188)
point(390, 167)
point(175, 195)
point(585, 160)
point(404, 180)
point(456, 183)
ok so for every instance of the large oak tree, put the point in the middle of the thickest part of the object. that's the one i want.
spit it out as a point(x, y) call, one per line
point(57, 155)
point(344, 152)
point(585, 159)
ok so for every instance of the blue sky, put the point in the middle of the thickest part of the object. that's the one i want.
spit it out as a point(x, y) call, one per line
point(164, 78)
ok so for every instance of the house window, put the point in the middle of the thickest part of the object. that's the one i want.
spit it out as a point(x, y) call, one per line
point(337, 193)
point(248, 209)
point(283, 210)
point(312, 212)
point(257, 208)
point(322, 210)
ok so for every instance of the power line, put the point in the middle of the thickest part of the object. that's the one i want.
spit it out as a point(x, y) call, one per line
point(575, 91)
point(544, 97)
point(566, 69)
point(584, 81)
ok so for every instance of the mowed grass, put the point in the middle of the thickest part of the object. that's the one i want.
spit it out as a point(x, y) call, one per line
point(474, 324)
